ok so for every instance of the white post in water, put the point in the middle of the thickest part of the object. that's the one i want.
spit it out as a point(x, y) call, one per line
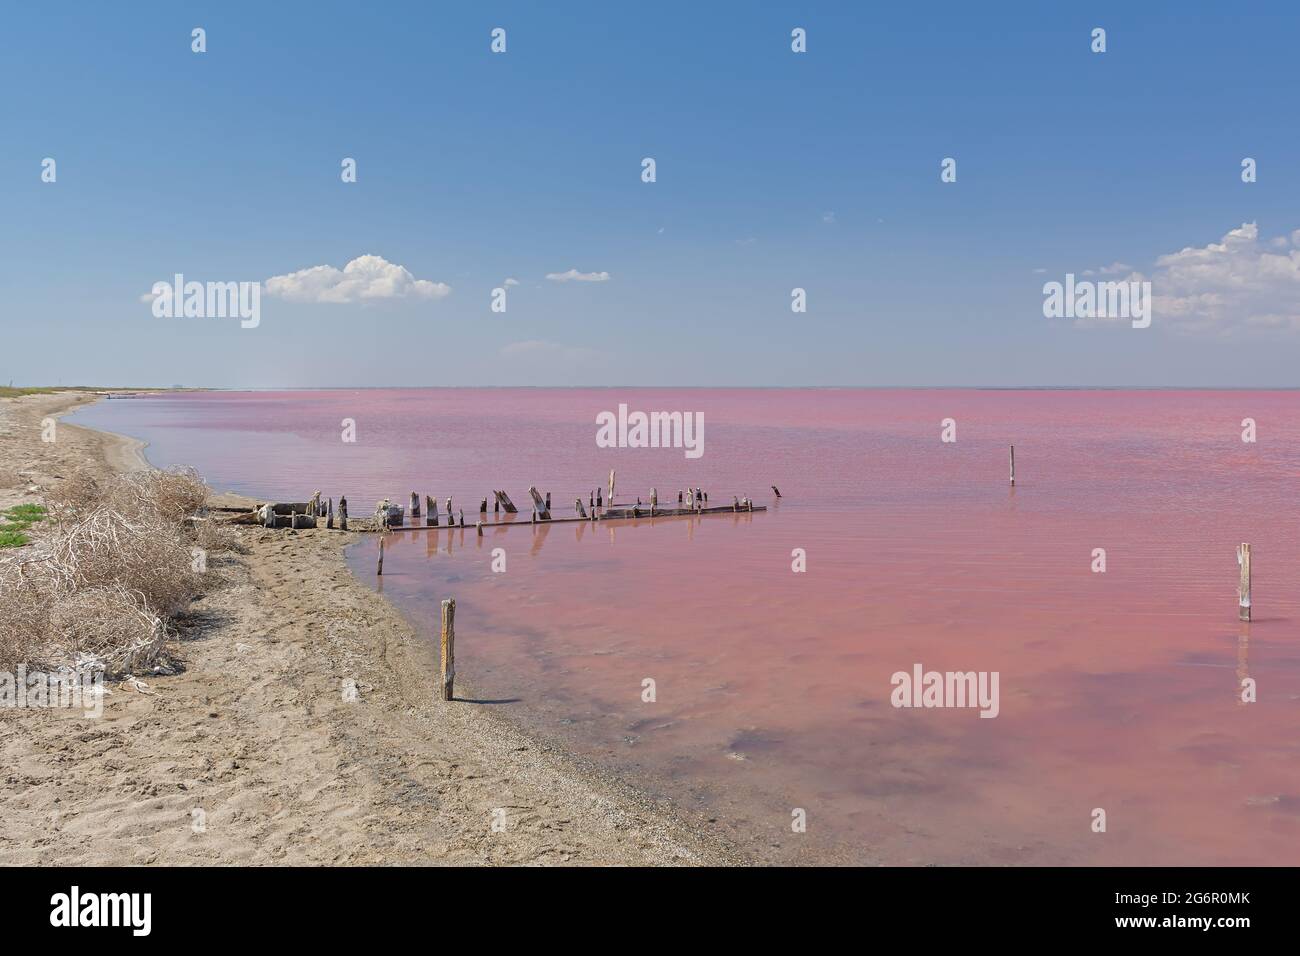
point(1243, 588)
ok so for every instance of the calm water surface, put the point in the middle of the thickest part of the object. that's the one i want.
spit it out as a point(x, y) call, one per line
point(1119, 690)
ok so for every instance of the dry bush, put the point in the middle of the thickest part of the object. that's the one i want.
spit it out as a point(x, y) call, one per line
point(99, 588)
point(80, 490)
point(144, 554)
point(24, 619)
point(109, 627)
point(215, 538)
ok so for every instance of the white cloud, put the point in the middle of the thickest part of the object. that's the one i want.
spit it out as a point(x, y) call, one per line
point(828, 217)
point(363, 279)
point(538, 350)
point(1114, 269)
point(1231, 284)
point(573, 275)
point(511, 282)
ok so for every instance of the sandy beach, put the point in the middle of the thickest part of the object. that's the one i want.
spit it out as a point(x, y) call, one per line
point(256, 739)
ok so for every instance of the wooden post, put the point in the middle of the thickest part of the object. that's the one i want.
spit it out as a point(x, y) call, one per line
point(1013, 466)
point(679, 496)
point(777, 490)
point(343, 513)
point(478, 526)
point(611, 487)
point(462, 516)
point(1243, 588)
point(315, 504)
point(381, 557)
point(451, 515)
point(329, 521)
point(548, 501)
point(577, 506)
point(735, 502)
point(482, 506)
point(599, 499)
point(415, 507)
point(506, 503)
point(496, 504)
point(534, 520)
point(448, 648)
point(540, 506)
point(430, 511)
point(654, 497)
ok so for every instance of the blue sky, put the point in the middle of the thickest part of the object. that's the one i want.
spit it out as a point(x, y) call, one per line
point(775, 170)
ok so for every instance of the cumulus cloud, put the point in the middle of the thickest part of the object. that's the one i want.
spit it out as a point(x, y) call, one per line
point(511, 282)
point(1239, 282)
point(364, 279)
point(573, 275)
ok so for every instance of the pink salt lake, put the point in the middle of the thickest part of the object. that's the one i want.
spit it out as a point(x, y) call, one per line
point(1118, 691)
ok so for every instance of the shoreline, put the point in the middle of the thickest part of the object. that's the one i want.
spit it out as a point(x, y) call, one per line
point(255, 736)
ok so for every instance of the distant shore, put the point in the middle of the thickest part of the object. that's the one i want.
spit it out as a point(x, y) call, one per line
point(253, 755)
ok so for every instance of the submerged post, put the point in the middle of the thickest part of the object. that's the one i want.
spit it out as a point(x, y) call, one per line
point(1013, 466)
point(448, 647)
point(482, 506)
point(415, 507)
point(577, 506)
point(1243, 588)
point(776, 490)
point(380, 570)
point(430, 511)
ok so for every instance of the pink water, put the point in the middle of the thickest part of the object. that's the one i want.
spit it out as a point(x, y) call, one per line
point(1118, 691)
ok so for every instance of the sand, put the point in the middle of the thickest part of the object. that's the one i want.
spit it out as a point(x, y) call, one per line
point(252, 755)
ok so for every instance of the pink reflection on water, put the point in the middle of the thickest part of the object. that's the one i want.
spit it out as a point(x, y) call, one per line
point(1118, 690)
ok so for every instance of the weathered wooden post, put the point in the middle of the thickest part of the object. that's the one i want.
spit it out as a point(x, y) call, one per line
point(776, 490)
point(430, 511)
point(679, 496)
point(415, 507)
point(448, 648)
point(534, 518)
point(690, 499)
point(1013, 466)
point(735, 502)
point(482, 506)
point(548, 502)
point(1243, 588)
point(577, 506)
point(599, 500)
point(654, 497)
point(451, 515)
point(461, 514)
point(380, 569)
point(540, 507)
point(611, 487)
point(478, 526)
point(315, 504)
point(496, 503)
point(506, 502)
point(329, 520)
point(343, 513)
